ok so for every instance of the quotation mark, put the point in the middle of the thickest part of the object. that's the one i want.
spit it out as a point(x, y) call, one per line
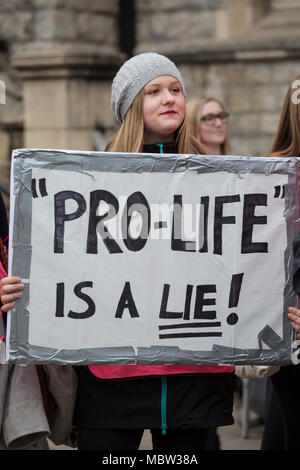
point(42, 187)
point(279, 190)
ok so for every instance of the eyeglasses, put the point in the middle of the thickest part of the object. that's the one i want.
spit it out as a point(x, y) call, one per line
point(211, 118)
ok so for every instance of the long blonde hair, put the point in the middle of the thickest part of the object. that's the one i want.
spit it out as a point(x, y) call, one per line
point(130, 136)
point(194, 113)
point(287, 139)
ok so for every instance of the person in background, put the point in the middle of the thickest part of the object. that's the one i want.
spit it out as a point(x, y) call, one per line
point(209, 124)
point(178, 403)
point(286, 382)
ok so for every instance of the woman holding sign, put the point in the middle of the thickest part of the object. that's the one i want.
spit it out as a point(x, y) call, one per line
point(178, 403)
point(208, 121)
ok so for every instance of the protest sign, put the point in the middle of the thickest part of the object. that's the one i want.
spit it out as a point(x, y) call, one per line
point(152, 259)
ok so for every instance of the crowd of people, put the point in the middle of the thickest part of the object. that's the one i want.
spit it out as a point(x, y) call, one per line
point(182, 405)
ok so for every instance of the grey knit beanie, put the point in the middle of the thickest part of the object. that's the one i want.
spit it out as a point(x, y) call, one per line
point(134, 74)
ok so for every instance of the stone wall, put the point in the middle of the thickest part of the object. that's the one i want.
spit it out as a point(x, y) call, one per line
point(37, 24)
point(243, 52)
point(45, 45)
point(59, 57)
point(179, 25)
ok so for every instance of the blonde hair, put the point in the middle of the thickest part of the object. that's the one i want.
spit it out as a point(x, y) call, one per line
point(130, 136)
point(194, 113)
point(287, 139)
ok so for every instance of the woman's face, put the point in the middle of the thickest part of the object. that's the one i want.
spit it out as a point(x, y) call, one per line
point(163, 109)
point(213, 128)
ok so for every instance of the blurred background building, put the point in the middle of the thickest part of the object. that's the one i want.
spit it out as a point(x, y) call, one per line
point(58, 57)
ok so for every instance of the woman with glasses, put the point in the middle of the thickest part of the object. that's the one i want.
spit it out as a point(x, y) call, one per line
point(208, 120)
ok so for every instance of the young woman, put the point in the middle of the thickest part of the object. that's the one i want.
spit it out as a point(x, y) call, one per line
point(286, 382)
point(208, 120)
point(177, 403)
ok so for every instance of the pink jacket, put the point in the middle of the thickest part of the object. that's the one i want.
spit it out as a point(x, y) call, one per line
point(117, 372)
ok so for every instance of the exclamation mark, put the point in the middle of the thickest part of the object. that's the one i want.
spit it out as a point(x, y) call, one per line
point(235, 289)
